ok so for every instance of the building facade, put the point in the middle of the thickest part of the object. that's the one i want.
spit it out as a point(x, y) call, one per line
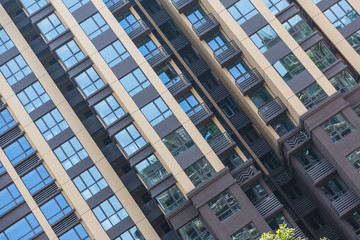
point(179, 119)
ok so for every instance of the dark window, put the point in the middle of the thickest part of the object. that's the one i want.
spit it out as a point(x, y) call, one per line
point(224, 205)
point(276, 221)
point(312, 95)
point(333, 188)
point(10, 197)
point(151, 170)
point(308, 157)
point(255, 193)
point(292, 190)
point(189, 55)
point(354, 220)
point(209, 131)
point(200, 171)
point(55, 208)
point(36, 179)
point(297, 27)
point(170, 199)
point(289, 67)
point(232, 160)
point(178, 141)
point(314, 219)
point(270, 161)
point(248, 232)
point(250, 135)
point(354, 159)
point(338, 127)
point(18, 150)
point(260, 97)
point(195, 230)
point(170, 30)
point(343, 81)
point(25, 228)
point(229, 107)
point(320, 54)
point(166, 74)
point(353, 40)
point(283, 125)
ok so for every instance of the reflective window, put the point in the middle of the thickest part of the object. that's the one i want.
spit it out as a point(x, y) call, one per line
point(89, 81)
point(168, 75)
point(70, 153)
point(256, 193)
point(73, 5)
point(131, 234)
point(248, 232)
point(276, 6)
point(10, 197)
point(109, 3)
point(321, 55)
point(69, 54)
point(337, 127)
point(265, 38)
point(353, 40)
point(5, 42)
point(23, 229)
point(178, 141)
point(170, 199)
point(238, 70)
point(312, 95)
point(195, 230)
point(260, 97)
point(2, 169)
point(200, 171)
point(33, 97)
point(209, 131)
point(308, 157)
point(289, 67)
point(196, 16)
point(134, 82)
point(224, 205)
point(94, 26)
point(276, 221)
point(55, 208)
point(76, 233)
point(156, 111)
point(354, 159)
point(18, 150)
point(341, 14)
point(109, 110)
point(216, 43)
point(242, 11)
point(283, 125)
point(232, 160)
point(354, 220)
point(151, 170)
point(129, 23)
point(190, 104)
point(15, 69)
point(148, 48)
point(130, 139)
point(110, 212)
point(90, 182)
point(51, 124)
point(36, 179)
point(32, 6)
point(343, 81)
point(50, 27)
point(333, 188)
point(297, 27)
point(6, 120)
point(114, 53)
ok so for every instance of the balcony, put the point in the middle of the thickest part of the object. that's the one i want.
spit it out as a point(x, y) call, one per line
point(268, 206)
point(151, 211)
point(320, 170)
point(221, 143)
point(206, 26)
point(118, 6)
point(178, 85)
point(227, 53)
point(157, 57)
point(271, 110)
point(159, 17)
point(249, 81)
point(345, 203)
point(198, 67)
point(239, 119)
point(295, 141)
point(138, 30)
point(200, 114)
point(218, 93)
point(179, 42)
point(183, 5)
point(260, 147)
point(303, 206)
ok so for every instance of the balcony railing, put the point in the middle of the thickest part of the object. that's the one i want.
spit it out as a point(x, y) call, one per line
point(221, 143)
point(249, 81)
point(345, 203)
point(227, 53)
point(157, 57)
point(205, 26)
point(198, 67)
point(160, 17)
point(179, 42)
point(271, 110)
point(239, 120)
point(201, 113)
point(118, 6)
point(304, 205)
point(260, 147)
point(178, 85)
point(320, 170)
point(268, 205)
point(295, 141)
point(183, 5)
point(137, 30)
point(218, 93)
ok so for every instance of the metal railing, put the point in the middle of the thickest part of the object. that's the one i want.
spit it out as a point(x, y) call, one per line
point(199, 113)
point(319, 170)
point(177, 83)
point(157, 56)
point(203, 25)
point(226, 53)
point(249, 80)
point(136, 28)
point(221, 142)
point(271, 110)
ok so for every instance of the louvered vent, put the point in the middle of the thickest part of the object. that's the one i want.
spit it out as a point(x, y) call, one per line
point(27, 164)
point(49, 191)
point(65, 223)
point(7, 137)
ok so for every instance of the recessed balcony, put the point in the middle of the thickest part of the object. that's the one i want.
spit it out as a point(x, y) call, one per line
point(271, 110)
point(249, 81)
point(200, 114)
point(157, 57)
point(183, 5)
point(345, 203)
point(227, 53)
point(178, 85)
point(221, 143)
point(119, 6)
point(268, 205)
point(320, 170)
point(206, 26)
point(218, 93)
point(138, 30)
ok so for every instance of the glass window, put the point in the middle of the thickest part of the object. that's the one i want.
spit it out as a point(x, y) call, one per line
point(114, 53)
point(55, 208)
point(134, 82)
point(36, 179)
point(148, 48)
point(265, 38)
point(70, 153)
point(33, 97)
point(337, 127)
point(283, 125)
point(110, 212)
point(354, 159)
point(276, 6)
point(353, 40)
point(224, 205)
point(23, 229)
point(151, 170)
point(260, 97)
point(76, 233)
point(167, 74)
point(343, 81)
point(15, 69)
point(354, 220)
point(195, 230)
point(242, 11)
point(109, 3)
point(32, 6)
point(51, 124)
point(94, 26)
point(238, 70)
point(249, 232)
point(131, 234)
point(130, 139)
point(200, 171)
point(156, 111)
point(341, 14)
point(209, 131)
point(256, 193)
point(196, 16)
point(308, 157)
point(50, 27)
point(73, 5)
point(109, 110)
point(288, 67)
point(321, 55)
point(6, 120)
point(357, 111)
point(217, 42)
point(178, 141)
point(276, 221)
point(190, 104)
point(10, 197)
point(312, 95)
point(333, 188)
point(297, 27)
point(90, 182)
point(18, 150)
point(89, 81)
point(5, 42)
point(170, 29)
point(2, 169)
point(69, 54)
point(170, 199)
point(316, 1)
point(229, 107)
point(232, 160)
point(129, 23)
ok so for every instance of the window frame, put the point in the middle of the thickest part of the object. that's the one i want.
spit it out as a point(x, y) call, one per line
point(228, 209)
point(90, 182)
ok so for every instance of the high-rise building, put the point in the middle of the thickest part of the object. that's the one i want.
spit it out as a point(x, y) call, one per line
point(179, 119)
